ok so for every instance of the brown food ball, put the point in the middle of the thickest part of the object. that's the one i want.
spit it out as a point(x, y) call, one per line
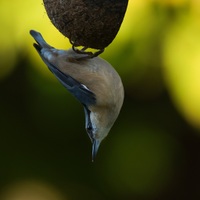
point(87, 23)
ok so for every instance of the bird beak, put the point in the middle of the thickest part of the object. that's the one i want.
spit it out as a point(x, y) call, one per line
point(95, 147)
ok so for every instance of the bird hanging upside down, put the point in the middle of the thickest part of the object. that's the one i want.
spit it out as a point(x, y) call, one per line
point(94, 82)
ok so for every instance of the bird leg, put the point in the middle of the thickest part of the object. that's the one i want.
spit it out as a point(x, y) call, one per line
point(97, 53)
point(83, 51)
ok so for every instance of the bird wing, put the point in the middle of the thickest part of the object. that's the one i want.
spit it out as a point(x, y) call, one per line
point(80, 91)
point(77, 89)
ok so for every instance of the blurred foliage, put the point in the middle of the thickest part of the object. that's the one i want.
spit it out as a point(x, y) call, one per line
point(153, 150)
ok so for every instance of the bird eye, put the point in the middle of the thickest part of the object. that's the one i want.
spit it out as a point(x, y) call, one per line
point(90, 130)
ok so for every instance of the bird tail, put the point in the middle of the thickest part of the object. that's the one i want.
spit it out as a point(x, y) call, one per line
point(41, 43)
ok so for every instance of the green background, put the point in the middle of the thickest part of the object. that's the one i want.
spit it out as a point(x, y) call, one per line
point(152, 151)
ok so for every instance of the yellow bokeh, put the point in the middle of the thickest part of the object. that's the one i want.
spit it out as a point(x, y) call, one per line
point(31, 190)
point(17, 18)
point(182, 67)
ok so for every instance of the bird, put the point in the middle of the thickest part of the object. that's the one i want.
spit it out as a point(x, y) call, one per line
point(87, 23)
point(93, 82)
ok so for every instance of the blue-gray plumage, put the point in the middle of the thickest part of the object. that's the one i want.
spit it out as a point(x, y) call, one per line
point(94, 82)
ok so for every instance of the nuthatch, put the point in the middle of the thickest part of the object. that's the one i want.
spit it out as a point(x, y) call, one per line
point(94, 82)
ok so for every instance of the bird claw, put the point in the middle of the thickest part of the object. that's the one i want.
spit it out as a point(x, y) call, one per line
point(88, 54)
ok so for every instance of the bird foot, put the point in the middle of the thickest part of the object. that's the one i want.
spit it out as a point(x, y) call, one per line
point(88, 54)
